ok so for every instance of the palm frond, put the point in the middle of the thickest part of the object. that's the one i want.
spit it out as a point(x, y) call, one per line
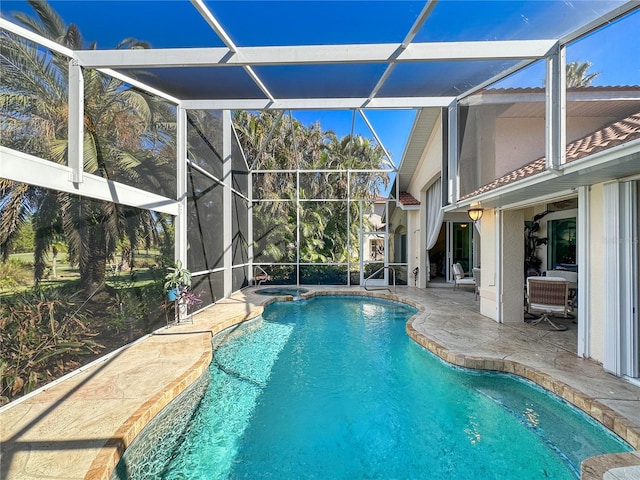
point(51, 24)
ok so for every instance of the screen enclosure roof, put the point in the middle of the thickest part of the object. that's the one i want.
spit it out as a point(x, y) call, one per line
point(320, 54)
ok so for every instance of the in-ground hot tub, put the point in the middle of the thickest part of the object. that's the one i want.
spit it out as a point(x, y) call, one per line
point(282, 291)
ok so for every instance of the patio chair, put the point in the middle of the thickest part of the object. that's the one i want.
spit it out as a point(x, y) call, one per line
point(572, 278)
point(462, 279)
point(476, 278)
point(548, 296)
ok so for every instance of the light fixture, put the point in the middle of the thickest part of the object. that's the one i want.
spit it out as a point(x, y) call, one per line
point(475, 214)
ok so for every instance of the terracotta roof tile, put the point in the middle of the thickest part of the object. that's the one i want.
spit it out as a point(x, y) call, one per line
point(590, 89)
point(407, 199)
point(610, 136)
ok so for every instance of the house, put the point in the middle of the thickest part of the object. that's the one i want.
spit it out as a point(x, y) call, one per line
point(586, 201)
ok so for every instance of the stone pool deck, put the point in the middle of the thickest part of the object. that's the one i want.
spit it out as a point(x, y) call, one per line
point(78, 428)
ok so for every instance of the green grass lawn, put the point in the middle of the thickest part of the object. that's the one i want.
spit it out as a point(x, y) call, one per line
point(17, 274)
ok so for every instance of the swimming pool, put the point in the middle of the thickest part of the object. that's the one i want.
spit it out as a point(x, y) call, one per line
point(333, 388)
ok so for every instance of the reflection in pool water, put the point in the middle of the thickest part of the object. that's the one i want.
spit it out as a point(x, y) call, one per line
point(332, 388)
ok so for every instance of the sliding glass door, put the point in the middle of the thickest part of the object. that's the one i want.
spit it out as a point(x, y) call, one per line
point(459, 246)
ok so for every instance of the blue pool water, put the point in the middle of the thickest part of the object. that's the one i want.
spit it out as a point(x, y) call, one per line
point(332, 388)
point(282, 291)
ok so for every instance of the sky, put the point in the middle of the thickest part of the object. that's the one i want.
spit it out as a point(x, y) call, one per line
point(391, 126)
point(614, 53)
point(269, 22)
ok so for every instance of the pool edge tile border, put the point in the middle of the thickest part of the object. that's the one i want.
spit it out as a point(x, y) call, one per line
point(106, 460)
point(591, 469)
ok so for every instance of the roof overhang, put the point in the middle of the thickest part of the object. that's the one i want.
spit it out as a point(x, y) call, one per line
point(421, 131)
point(615, 163)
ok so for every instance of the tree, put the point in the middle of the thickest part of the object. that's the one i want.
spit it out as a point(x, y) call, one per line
point(277, 142)
point(25, 238)
point(129, 136)
point(577, 75)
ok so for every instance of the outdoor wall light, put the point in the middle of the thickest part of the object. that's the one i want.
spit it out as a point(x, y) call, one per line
point(475, 214)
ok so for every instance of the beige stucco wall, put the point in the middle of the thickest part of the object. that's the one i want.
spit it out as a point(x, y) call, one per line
point(512, 262)
point(488, 246)
point(413, 243)
point(427, 172)
point(430, 164)
point(596, 272)
point(518, 142)
point(501, 144)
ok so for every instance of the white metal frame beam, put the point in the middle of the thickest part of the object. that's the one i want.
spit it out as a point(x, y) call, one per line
point(315, 54)
point(224, 36)
point(227, 202)
point(213, 23)
point(75, 146)
point(415, 28)
point(25, 168)
point(34, 37)
point(375, 135)
point(555, 101)
point(318, 103)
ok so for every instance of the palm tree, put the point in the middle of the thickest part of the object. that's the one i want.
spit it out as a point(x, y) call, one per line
point(577, 75)
point(291, 145)
point(128, 137)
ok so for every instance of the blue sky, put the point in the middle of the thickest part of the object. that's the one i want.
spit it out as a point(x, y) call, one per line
point(391, 126)
point(348, 22)
point(269, 22)
point(614, 53)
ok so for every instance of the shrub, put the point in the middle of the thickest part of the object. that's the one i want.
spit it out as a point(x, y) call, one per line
point(42, 336)
point(14, 273)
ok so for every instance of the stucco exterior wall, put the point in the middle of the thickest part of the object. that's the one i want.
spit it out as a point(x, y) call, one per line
point(488, 248)
point(427, 171)
point(596, 272)
point(430, 163)
point(413, 243)
point(521, 140)
point(512, 261)
point(518, 142)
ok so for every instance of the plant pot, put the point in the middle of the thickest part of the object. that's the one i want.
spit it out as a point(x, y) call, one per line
point(172, 294)
point(182, 311)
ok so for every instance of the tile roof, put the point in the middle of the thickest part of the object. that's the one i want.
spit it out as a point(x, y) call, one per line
point(407, 199)
point(589, 89)
point(610, 136)
point(607, 137)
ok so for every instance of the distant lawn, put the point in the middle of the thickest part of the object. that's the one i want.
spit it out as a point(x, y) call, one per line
point(140, 278)
point(22, 257)
point(17, 274)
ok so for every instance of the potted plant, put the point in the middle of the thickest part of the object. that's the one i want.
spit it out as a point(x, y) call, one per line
point(188, 297)
point(177, 280)
point(532, 241)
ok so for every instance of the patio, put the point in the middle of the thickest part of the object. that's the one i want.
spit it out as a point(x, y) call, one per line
point(79, 427)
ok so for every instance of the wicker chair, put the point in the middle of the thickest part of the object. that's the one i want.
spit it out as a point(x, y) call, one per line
point(548, 296)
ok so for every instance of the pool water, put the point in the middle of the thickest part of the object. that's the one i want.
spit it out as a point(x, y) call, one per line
point(282, 291)
point(333, 388)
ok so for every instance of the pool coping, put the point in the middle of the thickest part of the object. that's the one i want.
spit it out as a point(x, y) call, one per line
point(213, 320)
point(591, 469)
point(110, 454)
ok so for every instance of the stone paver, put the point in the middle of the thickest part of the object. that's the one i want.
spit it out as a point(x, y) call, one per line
point(78, 428)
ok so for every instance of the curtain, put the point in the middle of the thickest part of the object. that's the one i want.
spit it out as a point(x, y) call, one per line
point(435, 214)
